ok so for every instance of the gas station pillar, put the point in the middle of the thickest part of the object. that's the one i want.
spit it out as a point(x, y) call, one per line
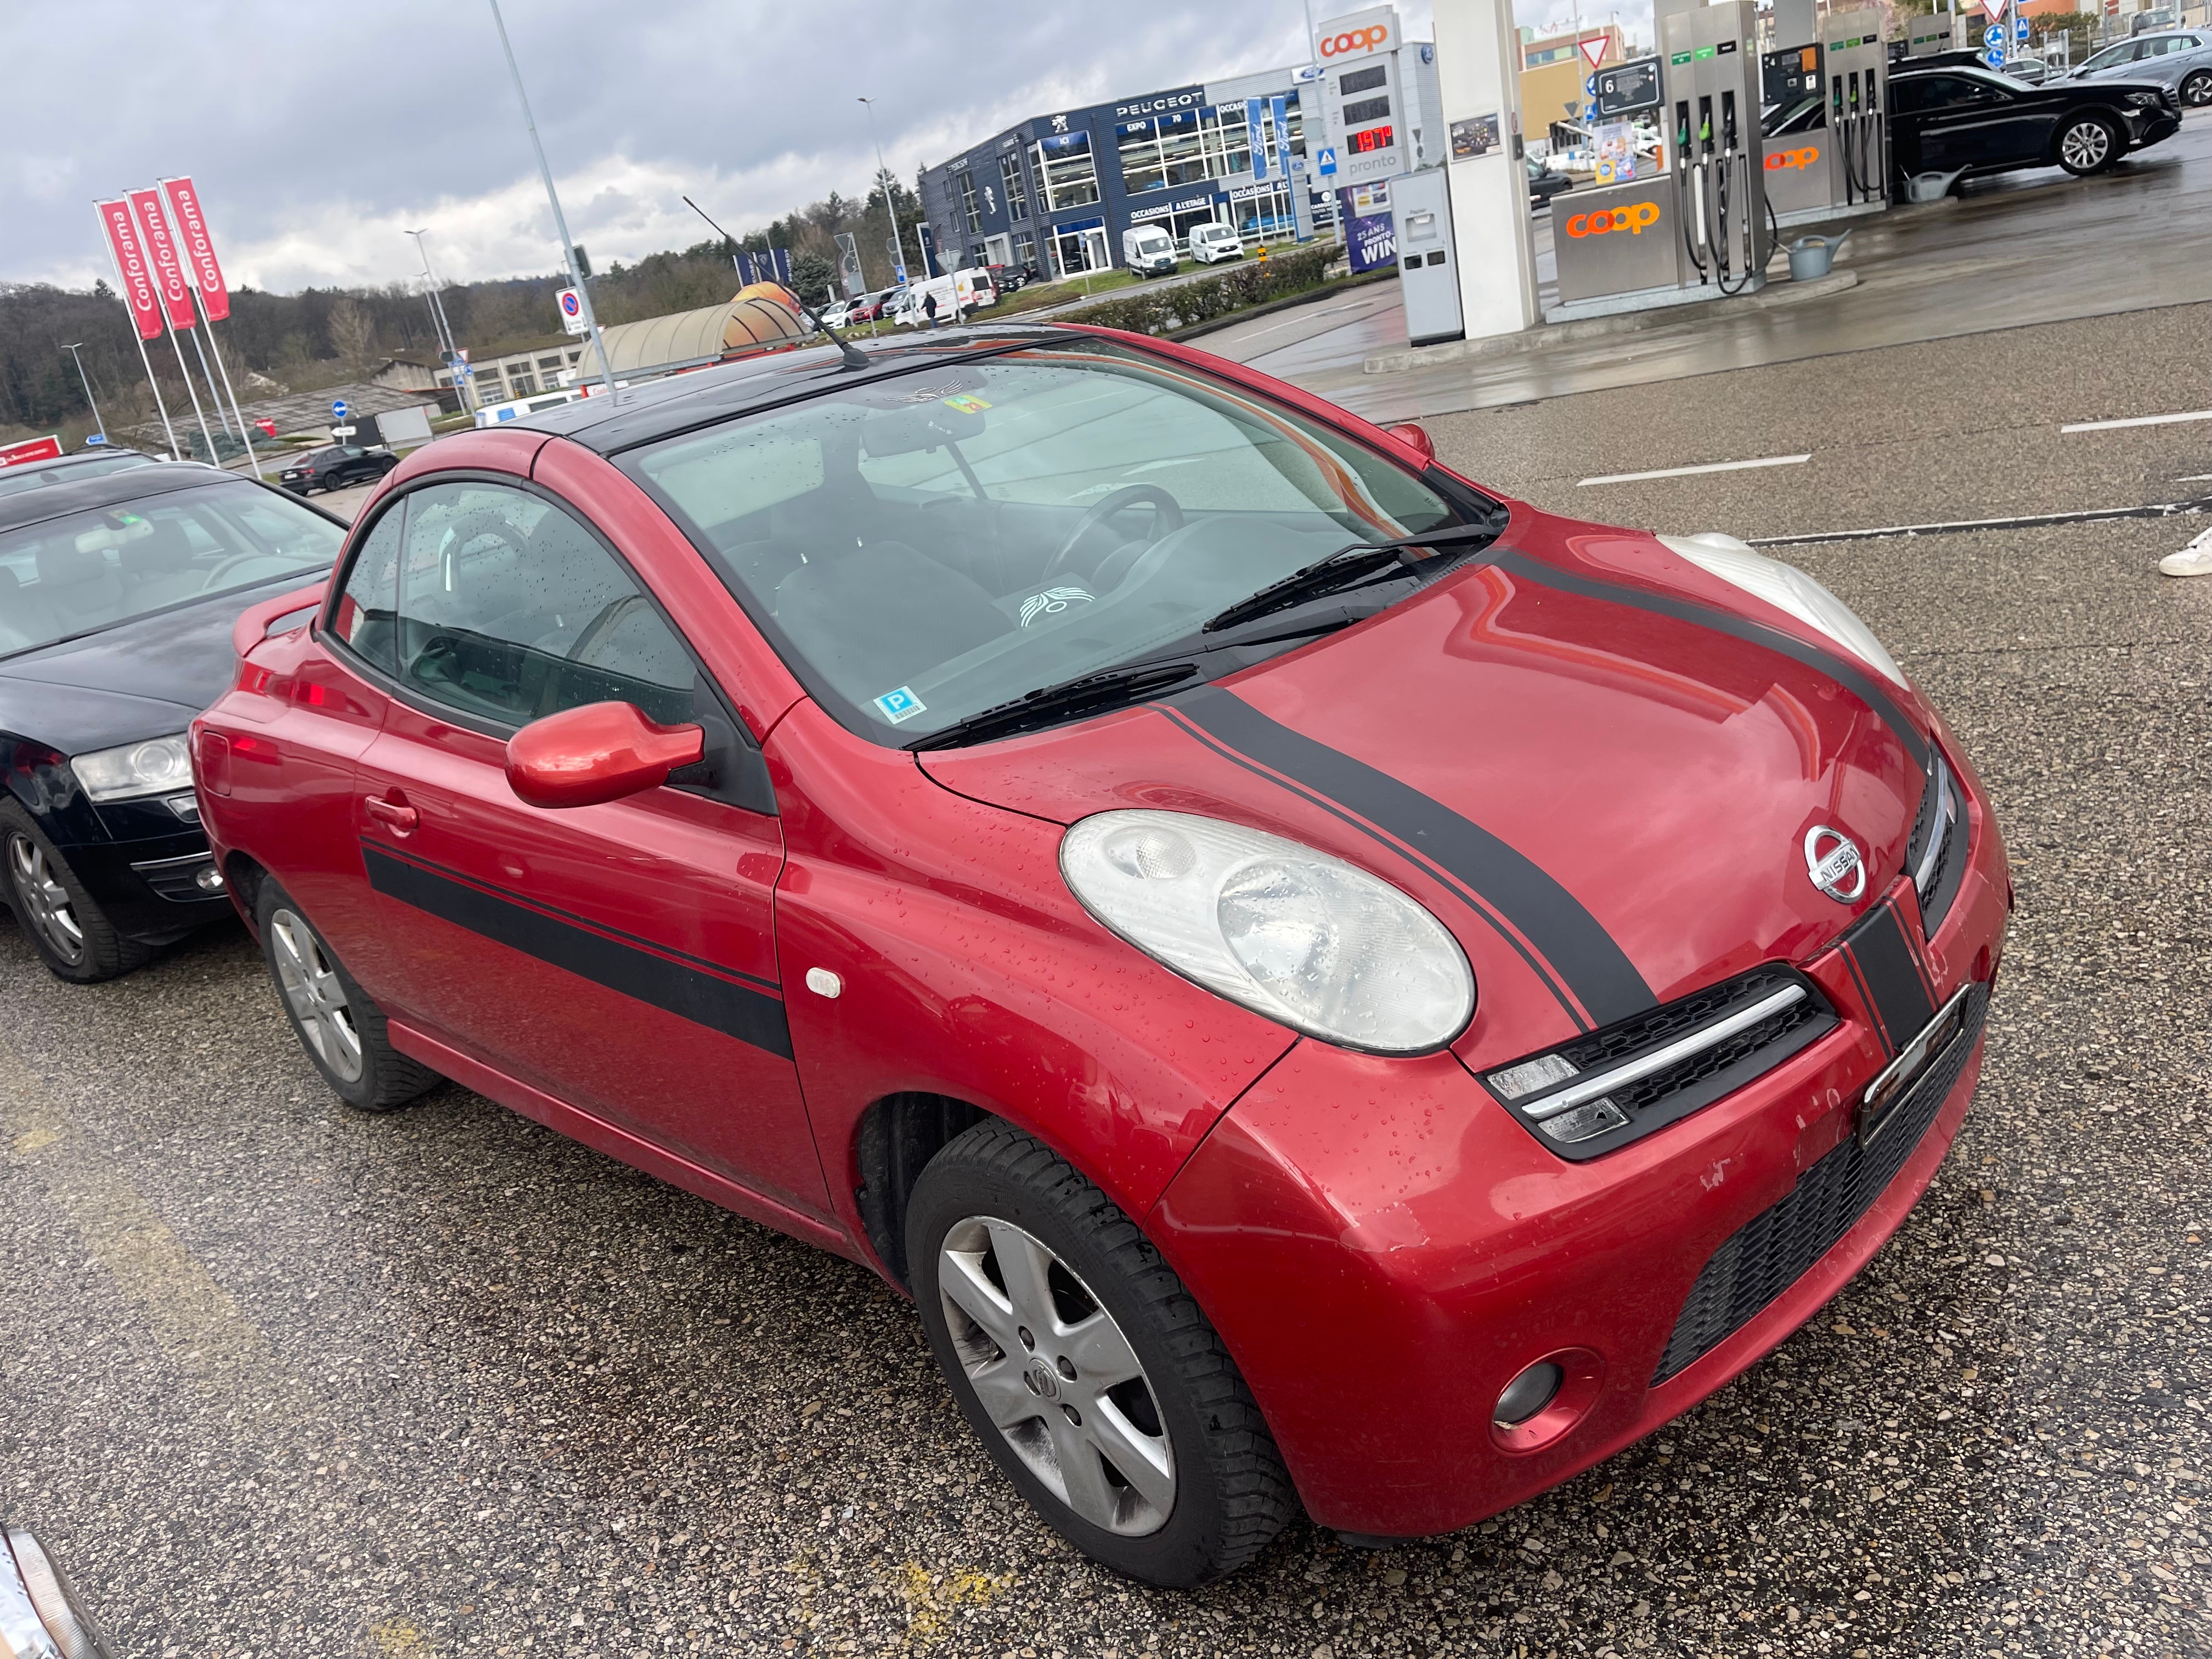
point(1478, 81)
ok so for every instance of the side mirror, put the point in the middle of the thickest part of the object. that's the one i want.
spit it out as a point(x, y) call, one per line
point(599, 752)
point(1415, 439)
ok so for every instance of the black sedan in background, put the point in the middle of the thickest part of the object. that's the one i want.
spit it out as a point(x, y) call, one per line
point(117, 592)
point(1956, 117)
point(336, 467)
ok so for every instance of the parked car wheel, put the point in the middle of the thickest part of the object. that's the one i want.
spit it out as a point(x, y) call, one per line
point(65, 925)
point(2196, 91)
point(343, 1031)
point(1088, 1370)
point(2087, 145)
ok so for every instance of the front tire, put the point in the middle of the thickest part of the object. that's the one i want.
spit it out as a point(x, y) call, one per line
point(1090, 1373)
point(340, 1030)
point(63, 920)
point(2089, 143)
point(2196, 89)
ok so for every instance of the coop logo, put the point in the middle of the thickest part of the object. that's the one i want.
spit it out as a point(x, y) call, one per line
point(1783, 160)
point(1373, 38)
point(1635, 219)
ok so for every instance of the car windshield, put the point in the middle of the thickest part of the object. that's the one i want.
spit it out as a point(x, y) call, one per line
point(17, 479)
point(923, 547)
point(91, 570)
point(2111, 57)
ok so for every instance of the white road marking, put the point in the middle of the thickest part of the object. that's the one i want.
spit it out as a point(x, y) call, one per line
point(2138, 419)
point(1686, 471)
point(2195, 477)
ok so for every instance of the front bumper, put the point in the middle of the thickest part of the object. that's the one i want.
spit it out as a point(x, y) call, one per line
point(147, 887)
point(2152, 126)
point(1383, 1247)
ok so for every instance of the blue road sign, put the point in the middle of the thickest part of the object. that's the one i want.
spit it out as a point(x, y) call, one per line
point(338, 410)
point(95, 437)
point(1325, 162)
point(1994, 58)
point(1993, 35)
point(2019, 28)
point(1589, 86)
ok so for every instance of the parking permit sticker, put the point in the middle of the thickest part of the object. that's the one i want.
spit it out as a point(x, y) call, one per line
point(900, 705)
point(965, 403)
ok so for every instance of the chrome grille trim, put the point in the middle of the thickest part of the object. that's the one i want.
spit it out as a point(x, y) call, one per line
point(1945, 815)
point(1590, 1088)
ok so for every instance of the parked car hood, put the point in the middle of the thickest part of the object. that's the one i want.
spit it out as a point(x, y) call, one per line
point(141, 678)
point(1597, 764)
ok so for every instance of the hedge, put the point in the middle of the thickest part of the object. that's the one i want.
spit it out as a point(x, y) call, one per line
point(1149, 310)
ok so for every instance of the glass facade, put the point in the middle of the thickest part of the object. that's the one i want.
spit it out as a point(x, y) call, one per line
point(1079, 245)
point(971, 208)
point(1018, 190)
point(1191, 147)
point(1066, 173)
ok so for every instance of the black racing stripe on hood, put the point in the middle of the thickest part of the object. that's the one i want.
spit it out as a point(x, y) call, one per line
point(1581, 955)
point(1861, 685)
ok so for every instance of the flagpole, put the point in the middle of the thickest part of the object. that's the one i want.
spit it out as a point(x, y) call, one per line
point(199, 349)
point(244, 432)
point(214, 456)
point(123, 293)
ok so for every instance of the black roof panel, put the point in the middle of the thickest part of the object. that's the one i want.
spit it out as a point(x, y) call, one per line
point(110, 489)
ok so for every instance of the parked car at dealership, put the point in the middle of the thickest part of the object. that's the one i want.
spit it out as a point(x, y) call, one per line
point(1215, 243)
point(1148, 251)
point(117, 592)
point(2033, 69)
point(1973, 120)
point(338, 467)
point(962, 810)
point(873, 307)
point(1007, 278)
point(2181, 60)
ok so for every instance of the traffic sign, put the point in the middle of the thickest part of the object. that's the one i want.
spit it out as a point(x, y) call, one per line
point(1324, 161)
point(1993, 35)
point(338, 410)
point(1593, 49)
point(572, 311)
point(1589, 86)
point(1994, 58)
point(2019, 28)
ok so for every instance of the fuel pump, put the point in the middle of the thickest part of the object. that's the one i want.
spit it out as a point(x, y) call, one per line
point(1857, 62)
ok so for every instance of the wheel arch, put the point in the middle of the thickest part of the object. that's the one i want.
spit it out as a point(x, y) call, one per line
point(894, 1140)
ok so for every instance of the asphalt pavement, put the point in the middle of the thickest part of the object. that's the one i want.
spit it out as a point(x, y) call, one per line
point(282, 1379)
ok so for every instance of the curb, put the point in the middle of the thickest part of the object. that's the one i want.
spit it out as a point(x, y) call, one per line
point(1545, 335)
point(1288, 302)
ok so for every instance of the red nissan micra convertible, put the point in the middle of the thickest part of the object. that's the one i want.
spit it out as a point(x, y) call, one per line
point(1329, 986)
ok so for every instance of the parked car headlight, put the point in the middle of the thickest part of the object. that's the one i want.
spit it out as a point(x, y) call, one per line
point(1786, 588)
point(159, 766)
point(1287, 932)
point(2144, 99)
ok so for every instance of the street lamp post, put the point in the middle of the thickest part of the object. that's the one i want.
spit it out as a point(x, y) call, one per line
point(891, 207)
point(560, 224)
point(440, 327)
point(86, 382)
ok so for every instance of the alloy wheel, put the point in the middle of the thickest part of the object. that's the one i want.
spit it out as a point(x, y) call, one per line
point(45, 900)
point(318, 999)
point(2086, 145)
point(2196, 91)
point(1057, 1376)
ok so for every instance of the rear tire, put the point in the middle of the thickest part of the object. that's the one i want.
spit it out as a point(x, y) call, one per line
point(2087, 144)
point(1106, 1365)
point(340, 1030)
point(64, 922)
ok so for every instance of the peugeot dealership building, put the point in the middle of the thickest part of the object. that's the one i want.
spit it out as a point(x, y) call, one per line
point(1057, 192)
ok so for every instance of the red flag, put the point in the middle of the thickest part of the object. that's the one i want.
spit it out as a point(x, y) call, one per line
point(161, 258)
point(138, 296)
point(198, 250)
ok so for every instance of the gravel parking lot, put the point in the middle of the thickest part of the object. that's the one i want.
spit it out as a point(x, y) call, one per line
point(282, 1379)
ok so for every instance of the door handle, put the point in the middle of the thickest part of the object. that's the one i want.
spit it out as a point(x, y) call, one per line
point(395, 815)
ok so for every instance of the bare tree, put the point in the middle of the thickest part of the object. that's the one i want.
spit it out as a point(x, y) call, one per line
point(353, 337)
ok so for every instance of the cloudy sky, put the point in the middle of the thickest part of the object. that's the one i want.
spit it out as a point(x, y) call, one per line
point(319, 134)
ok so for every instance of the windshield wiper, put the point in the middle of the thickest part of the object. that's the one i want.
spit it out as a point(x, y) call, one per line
point(1085, 694)
point(1346, 568)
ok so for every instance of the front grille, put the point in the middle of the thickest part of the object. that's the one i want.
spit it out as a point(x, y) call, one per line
point(1641, 1104)
point(1936, 857)
point(1778, 1246)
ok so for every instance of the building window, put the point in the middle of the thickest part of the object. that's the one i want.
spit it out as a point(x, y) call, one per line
point(970, 209)
point(1024, 250)
point(520, 384)
point(1066, 175)
point(1079, 247)
point(550, 364)
point(1018, 190)
point(1550, 55)
point(1265, 212)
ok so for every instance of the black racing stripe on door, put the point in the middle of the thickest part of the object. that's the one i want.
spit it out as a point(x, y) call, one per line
point(1864, 686)
point(1580, 953)
point(684, 985)
point(1881, 948)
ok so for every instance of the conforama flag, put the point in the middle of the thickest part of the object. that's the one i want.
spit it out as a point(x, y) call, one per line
point(161, 258)
point(197, 249)
point(131, 267)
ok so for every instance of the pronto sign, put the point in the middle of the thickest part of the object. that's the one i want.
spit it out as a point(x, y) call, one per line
point(1359, 34)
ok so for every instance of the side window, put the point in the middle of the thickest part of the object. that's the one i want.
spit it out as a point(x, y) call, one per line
point(368, 605)
point(510, 610)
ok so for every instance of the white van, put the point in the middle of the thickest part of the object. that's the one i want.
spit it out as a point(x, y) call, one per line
point(971, 289)
point(1148, 251)
point(1211, 244)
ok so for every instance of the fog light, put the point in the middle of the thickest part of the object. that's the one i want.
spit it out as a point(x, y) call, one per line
point(208, 880)
point(39, 1612)
point(1529, 1394)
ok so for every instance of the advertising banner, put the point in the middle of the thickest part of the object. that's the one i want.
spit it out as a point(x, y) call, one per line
point(197, 248)
point(123, 241)
point(1279, 107)
point(781, 257)
point(161, 257)
point(48, 448)
point(746, 275)
point(1370, 238)
point(849, 266)
point(1254, 109)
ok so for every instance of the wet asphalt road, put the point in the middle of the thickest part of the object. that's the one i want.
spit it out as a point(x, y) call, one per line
point(282, 1379)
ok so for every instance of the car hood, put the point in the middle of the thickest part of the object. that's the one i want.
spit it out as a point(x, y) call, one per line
point(1596, 763)
point(141, 678)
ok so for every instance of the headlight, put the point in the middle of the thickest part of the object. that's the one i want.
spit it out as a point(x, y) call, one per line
point(1287, 932)
point(1786, 588)
point(159, 766)
point(2144, 99)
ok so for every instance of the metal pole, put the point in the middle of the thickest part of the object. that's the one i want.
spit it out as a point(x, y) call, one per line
point(440, 326)
point(560, 224)
point(122, 288)
point(245, 432)
point(213, 457)
point(87, 381)
point(208, 374)
point(890, 208)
